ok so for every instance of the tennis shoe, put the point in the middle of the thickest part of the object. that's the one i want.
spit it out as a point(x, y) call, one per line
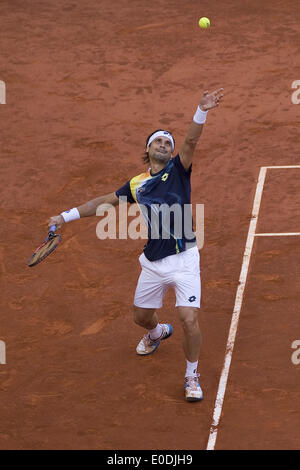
point(192, 388)
point(148, 345)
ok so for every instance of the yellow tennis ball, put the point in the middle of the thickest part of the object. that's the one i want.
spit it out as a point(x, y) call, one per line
point(204, 22)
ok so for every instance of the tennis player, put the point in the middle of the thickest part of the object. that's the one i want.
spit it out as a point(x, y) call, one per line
point(171, 257)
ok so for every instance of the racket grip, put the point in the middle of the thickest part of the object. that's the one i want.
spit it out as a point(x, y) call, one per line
point(52, 229)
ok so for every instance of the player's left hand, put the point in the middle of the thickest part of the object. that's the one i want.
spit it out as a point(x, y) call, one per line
point(211, 100)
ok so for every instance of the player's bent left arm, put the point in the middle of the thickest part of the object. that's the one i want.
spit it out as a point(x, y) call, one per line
point(207, 102)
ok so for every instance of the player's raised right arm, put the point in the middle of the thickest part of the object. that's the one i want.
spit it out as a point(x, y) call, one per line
point(85, 210)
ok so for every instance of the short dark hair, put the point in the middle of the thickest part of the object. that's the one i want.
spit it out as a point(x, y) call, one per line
point(145, 156)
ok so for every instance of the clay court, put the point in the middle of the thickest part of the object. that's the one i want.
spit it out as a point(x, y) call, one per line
point(86, 82)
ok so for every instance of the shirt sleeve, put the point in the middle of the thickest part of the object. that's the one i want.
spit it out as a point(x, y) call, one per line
point(125, 191)
point(180, 167)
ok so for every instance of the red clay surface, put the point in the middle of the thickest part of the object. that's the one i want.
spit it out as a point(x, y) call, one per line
point(262, 405)
point(86, 83)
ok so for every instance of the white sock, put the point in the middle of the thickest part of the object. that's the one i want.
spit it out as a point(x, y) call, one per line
point(156, 332)
point(191, 369)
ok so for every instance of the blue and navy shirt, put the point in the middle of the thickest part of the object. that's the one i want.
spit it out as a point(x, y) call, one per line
point(169, 231)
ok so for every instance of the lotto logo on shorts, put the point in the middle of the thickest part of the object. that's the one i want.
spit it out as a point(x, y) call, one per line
point(192, 298)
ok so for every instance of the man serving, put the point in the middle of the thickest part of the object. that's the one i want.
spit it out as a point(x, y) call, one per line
point(171, 257)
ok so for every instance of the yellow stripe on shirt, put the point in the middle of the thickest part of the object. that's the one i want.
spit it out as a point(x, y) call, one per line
point(137, 181)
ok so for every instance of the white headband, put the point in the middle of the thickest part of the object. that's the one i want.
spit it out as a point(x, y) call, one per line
point(161, 134)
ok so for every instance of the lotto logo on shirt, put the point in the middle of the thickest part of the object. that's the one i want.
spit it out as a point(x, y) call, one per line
point(165, 177)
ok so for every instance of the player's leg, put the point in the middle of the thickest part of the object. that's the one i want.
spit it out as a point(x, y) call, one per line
point(191, 333)
point(191, 346)
point(156, 332)
point(148, 298)
point(188, 294)
point(145, 317)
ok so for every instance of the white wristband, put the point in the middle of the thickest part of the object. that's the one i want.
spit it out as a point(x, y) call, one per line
point(200, 116)
point(70, 215)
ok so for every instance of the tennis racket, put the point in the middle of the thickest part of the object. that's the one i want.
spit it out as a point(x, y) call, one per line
point(48, 246)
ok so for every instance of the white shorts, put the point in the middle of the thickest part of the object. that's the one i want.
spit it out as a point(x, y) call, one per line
point(180, 271)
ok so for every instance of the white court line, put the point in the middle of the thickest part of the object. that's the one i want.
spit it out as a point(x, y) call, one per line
point(238, 303)
point(236, 311)
point(280, 167)
point(287, 234)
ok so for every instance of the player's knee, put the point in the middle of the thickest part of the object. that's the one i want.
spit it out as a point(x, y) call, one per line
point(140, 315)
point(189, 321)
point(191, 326)
point(136, 315)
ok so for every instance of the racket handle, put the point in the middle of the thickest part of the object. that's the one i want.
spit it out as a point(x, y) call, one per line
point(52, 229)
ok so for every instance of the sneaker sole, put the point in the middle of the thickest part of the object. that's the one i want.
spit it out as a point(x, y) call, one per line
point(191, 399)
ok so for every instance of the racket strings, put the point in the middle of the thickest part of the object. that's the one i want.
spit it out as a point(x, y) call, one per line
point(44, 250)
